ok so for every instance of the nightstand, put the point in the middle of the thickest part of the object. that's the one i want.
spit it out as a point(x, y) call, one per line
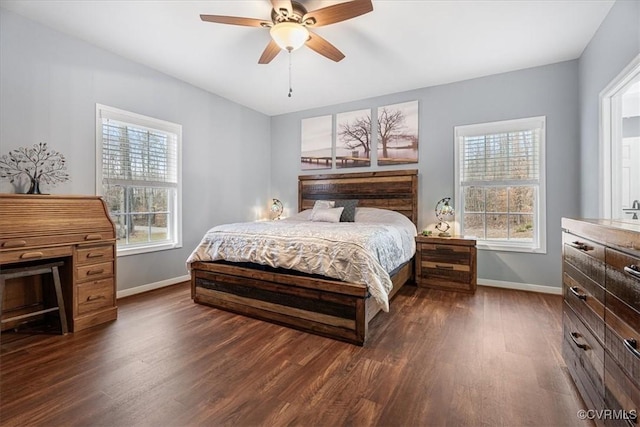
point(447, 263)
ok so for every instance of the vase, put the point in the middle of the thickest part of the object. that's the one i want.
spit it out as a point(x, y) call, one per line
point(35, 187)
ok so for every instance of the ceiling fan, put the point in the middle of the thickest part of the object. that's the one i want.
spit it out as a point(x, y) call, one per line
point(290, 26)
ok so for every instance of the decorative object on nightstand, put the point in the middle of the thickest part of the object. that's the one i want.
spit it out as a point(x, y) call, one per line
point(276, 208)
point(38, 163)
point(444, 213)
point(447, 263)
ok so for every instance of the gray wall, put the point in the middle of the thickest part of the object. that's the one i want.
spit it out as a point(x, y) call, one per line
point(49, 86)
point(614, 45)
point(550, 91)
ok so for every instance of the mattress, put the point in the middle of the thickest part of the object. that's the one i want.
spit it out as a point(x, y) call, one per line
point(364, 251)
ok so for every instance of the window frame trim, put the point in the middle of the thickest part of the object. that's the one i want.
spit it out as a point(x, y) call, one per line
point(151, 123)
point(539, 244)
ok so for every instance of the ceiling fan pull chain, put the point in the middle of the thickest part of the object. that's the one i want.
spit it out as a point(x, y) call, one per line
point(290, 88)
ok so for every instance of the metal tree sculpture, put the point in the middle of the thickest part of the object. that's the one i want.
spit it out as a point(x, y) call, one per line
point(39, 164)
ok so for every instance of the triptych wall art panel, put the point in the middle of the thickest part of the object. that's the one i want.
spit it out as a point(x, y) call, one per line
point(316, 146)
point(398, 133)
point(353, 139)
point(393, 135)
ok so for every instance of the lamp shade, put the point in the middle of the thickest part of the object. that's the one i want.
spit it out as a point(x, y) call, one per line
point(289, 35)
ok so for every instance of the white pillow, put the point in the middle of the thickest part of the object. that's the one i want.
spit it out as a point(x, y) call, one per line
point(324, 204)
point(327, 215)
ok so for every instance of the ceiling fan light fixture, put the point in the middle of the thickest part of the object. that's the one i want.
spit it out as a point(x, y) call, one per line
point(289, 35)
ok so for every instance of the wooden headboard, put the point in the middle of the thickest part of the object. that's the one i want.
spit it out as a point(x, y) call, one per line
point(394, 190)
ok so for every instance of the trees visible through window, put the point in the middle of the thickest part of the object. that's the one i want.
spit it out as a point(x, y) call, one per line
point(139, 179)
point(500, 183)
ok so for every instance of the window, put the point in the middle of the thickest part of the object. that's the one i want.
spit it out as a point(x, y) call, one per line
point(500, 190)
point(139, 176)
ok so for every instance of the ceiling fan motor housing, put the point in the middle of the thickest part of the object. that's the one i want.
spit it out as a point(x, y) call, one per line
point(297, 13)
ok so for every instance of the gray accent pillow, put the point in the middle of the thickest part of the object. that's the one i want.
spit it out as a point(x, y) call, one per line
point(349, 212)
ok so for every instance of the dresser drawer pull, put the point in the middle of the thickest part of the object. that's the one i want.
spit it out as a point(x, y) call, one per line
point(93, 237)
point(574, 338)
point(14, 243)
point(633, 270)
point(95, 297)
point(95, 255)
point(29, 255)
point(444, 248)
point(632, 346)
point(576, 291)
point(578, 245)
point(94, 272)
point(444, 267)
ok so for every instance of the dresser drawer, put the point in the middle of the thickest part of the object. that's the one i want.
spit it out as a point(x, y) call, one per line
point(95, 295)
point(94, 254)
point(94, 271)
point(584, 356)
point(586, 298)
point(622, 395)
point(622, 336)
point(23, 255)
point(589, 247)
point(585, 256)
point(623, 277)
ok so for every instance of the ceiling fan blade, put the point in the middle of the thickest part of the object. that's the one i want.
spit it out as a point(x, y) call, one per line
point(337, 12)
point(236, 20)
point(324, 48)
point(269, 53)
point(282, 4)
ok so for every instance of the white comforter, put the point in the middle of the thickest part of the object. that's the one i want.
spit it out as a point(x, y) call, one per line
point(365, 251)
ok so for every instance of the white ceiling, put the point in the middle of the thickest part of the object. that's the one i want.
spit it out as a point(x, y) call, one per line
point(401, 45)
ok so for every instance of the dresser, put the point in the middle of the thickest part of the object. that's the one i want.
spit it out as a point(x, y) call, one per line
point(76, 230)
point(601, 316)
point(447, 263)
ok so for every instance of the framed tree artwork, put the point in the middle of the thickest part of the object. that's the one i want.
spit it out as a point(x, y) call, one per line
point(353, 139)
point(316, 143)
point(398, 133)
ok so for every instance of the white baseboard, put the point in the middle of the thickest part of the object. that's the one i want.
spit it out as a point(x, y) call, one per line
point(520, 286)
point(151, 286)
point(481, 282)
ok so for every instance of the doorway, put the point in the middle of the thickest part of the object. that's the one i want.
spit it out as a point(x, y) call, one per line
point(620, 145)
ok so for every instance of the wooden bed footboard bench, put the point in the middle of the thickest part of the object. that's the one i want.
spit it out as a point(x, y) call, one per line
point(322, 306)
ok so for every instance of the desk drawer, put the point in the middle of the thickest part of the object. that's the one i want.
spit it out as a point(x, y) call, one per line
point(58, 239)
point(24, 255)
point(94, 271)
point(94, 254)
point(95, 295)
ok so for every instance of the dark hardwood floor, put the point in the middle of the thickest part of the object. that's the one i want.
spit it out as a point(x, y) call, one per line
point(439, 358)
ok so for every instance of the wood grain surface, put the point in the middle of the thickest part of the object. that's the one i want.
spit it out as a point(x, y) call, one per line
point(439, 358)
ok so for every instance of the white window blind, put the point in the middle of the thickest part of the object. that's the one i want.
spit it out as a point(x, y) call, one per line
point(501, 157)
point(138, 175)
point(132, 154)
point(500, 184)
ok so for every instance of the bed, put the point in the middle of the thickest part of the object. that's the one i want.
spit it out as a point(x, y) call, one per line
point(321, 305)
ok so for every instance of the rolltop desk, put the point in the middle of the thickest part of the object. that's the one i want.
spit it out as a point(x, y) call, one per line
point(76, 230)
